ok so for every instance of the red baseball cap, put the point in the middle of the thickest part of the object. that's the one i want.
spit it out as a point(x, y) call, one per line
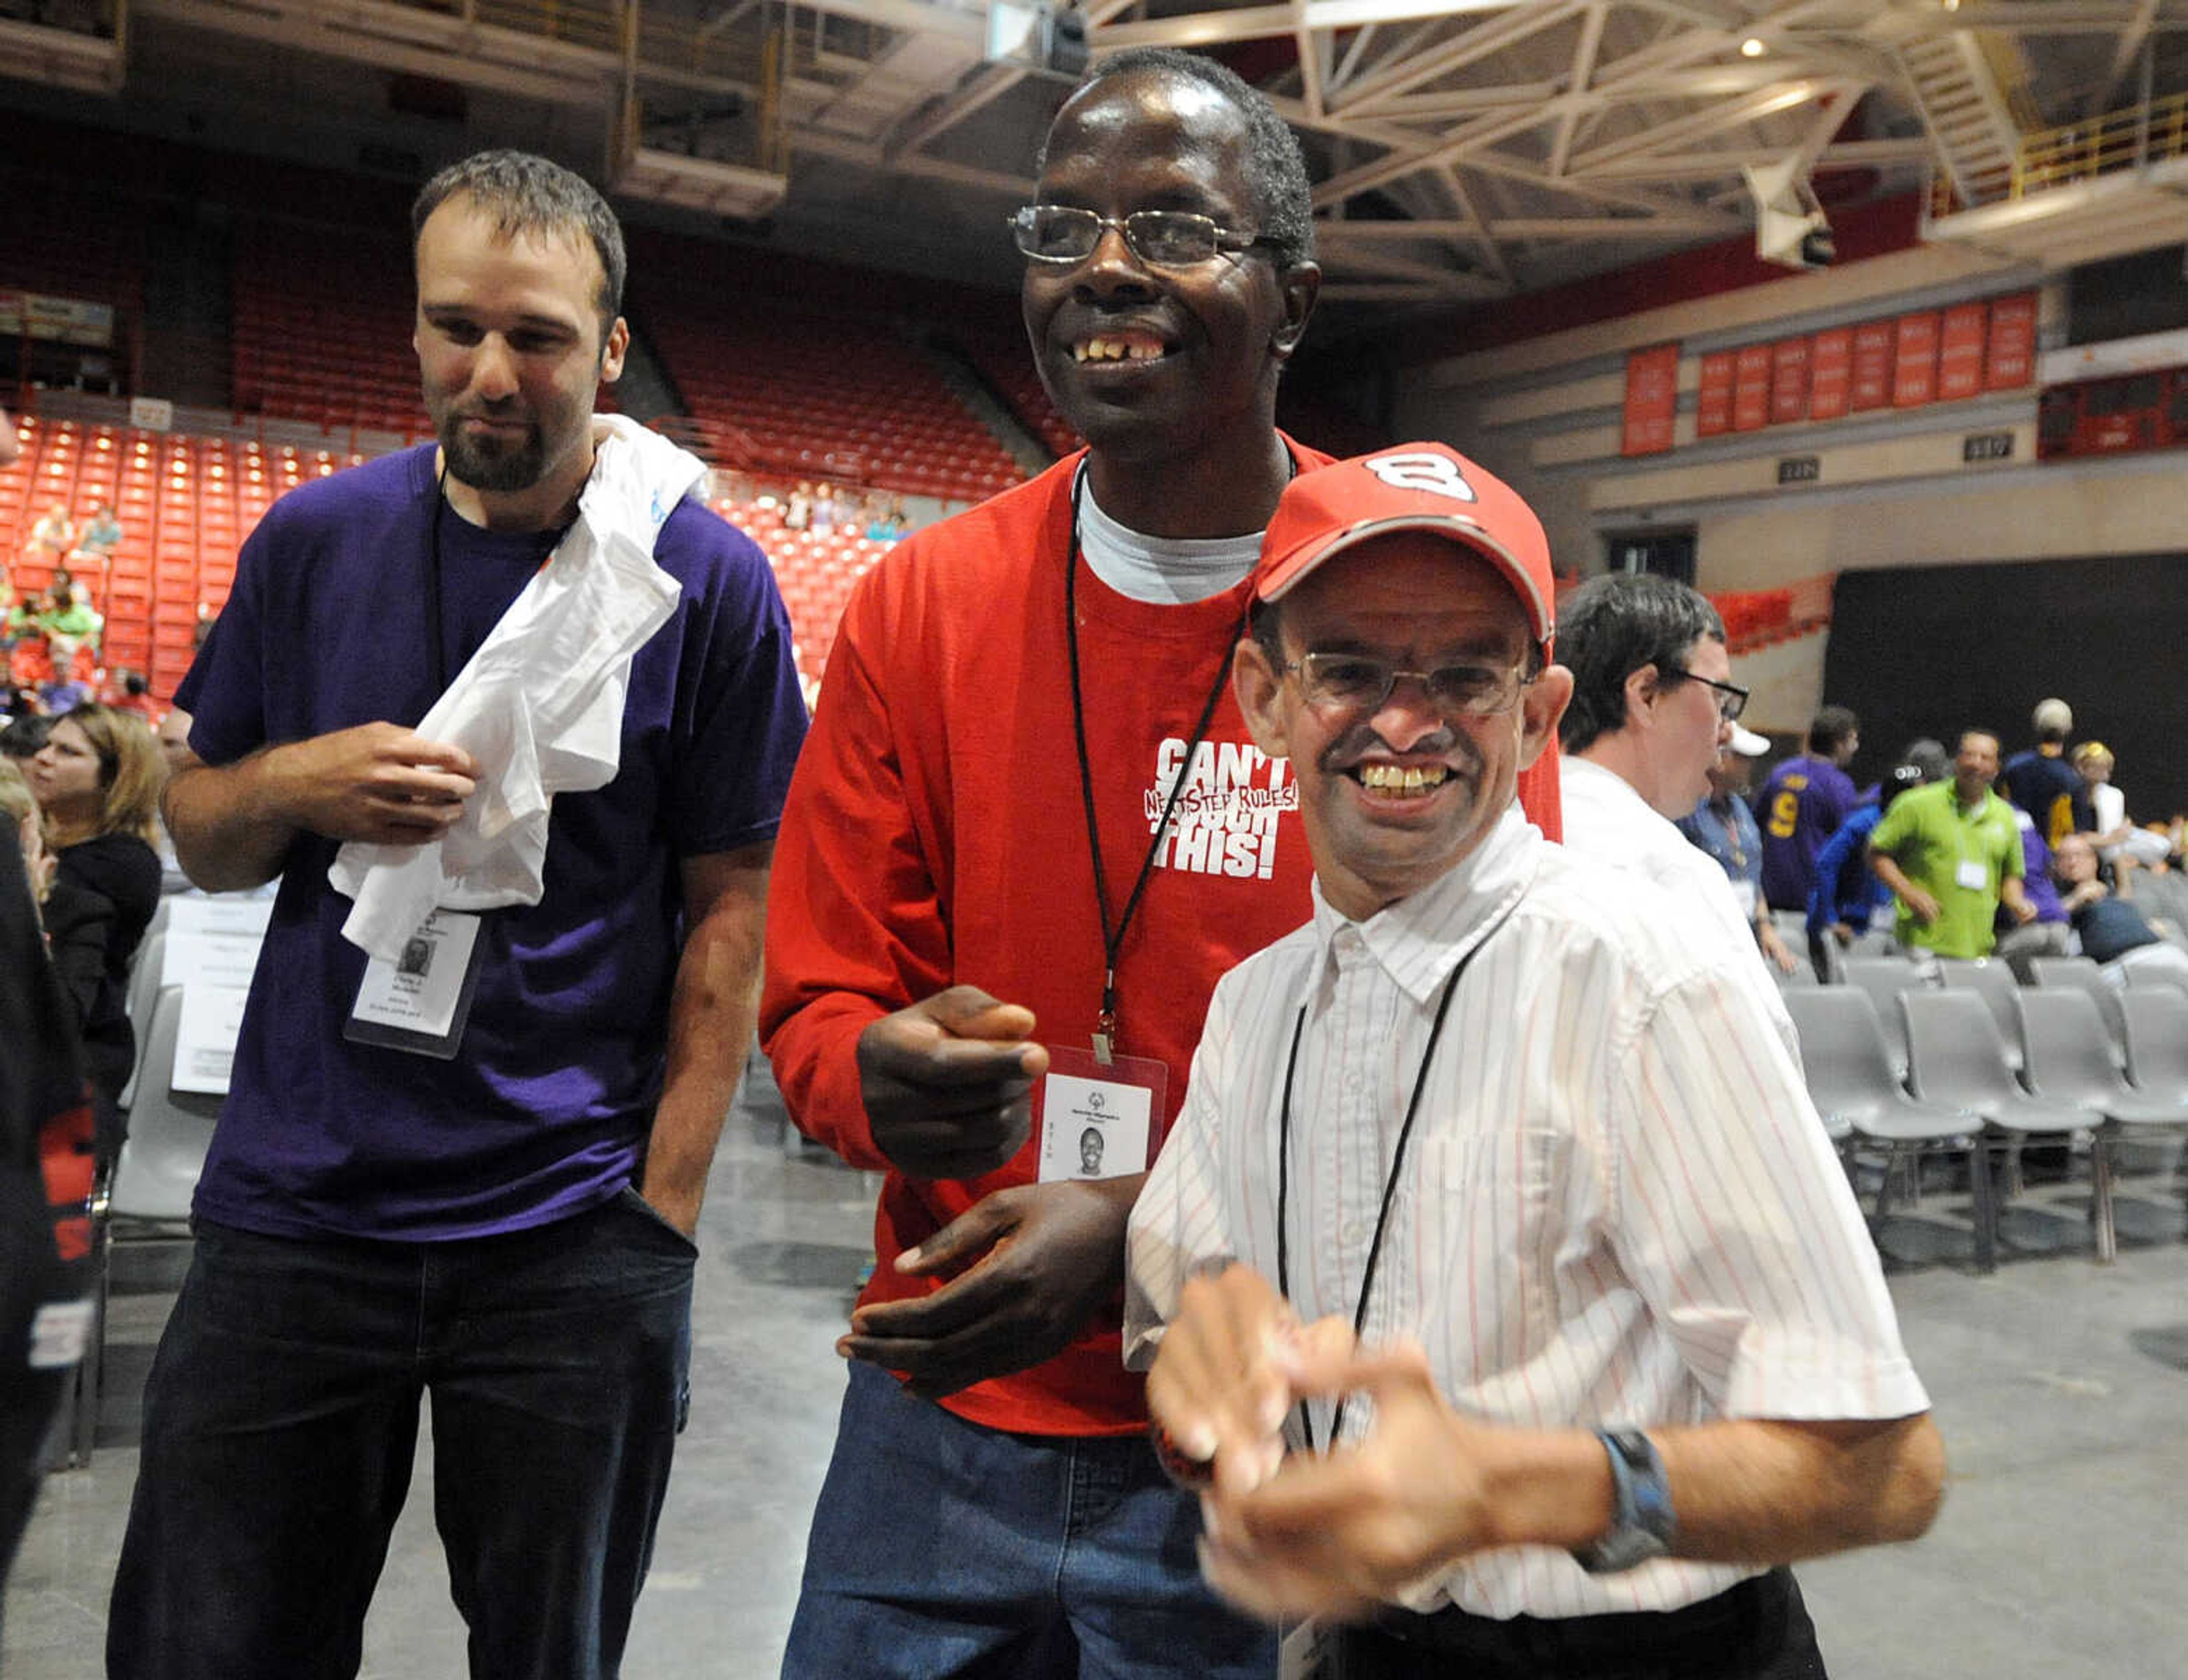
point(1412, 486)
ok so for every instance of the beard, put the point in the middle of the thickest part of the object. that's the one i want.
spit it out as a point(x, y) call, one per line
point(494, 465)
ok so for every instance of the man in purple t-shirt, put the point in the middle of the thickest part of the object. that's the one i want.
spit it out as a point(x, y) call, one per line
point(474, 1171)
point(1802, 804)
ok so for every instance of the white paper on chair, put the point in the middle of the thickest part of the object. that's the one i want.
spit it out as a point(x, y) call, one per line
point(204, 1037)
point(211, 953)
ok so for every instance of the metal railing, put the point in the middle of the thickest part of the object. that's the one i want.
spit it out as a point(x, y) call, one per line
point(2078, 152)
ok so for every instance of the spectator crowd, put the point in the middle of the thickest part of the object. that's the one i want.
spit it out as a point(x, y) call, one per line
point(1961, 854)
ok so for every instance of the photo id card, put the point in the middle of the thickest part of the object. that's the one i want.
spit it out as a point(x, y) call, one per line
point(421, 1001)
point(1099, 1121)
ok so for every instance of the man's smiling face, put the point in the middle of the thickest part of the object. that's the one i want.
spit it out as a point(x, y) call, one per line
point(1395, 795)
point(1151, 361)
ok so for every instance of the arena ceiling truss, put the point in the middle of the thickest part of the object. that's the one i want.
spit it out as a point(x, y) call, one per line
point(1461, 150)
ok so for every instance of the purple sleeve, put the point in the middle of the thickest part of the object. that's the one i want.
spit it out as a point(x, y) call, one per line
point(1845, 800)
point(222, 690)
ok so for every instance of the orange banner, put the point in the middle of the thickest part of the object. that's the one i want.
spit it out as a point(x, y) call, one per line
point(1960, 352)
point(2010, 361)
point(1914, 360)
point(1751, 388)
point(1713, 397)
point(1873, 344)
point(1831, 374)
point(1652, 400)
point(1788, 380)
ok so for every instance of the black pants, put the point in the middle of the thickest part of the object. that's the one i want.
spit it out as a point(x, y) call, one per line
point(1758, 1630)
point(283, 1408)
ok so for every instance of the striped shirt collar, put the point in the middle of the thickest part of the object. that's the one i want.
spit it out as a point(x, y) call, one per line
point(1422, 938)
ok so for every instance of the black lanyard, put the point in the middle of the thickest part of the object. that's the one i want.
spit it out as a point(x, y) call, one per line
point(1113, 934)
point(437, 636)
point(1390, 1184)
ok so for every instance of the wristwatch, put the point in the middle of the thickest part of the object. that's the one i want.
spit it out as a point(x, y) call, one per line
point(1642, 1521)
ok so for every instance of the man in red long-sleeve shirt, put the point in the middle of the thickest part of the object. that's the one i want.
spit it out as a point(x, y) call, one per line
point(1029, 832)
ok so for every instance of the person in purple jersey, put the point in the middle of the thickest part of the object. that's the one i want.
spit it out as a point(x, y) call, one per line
point(1802, 804)
point(491, 1198)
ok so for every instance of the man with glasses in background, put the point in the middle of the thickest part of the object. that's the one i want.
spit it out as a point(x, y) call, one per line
point(1029, 831)
point(1654, 703)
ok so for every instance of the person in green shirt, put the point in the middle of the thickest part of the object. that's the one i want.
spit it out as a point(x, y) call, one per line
point(1951, 852)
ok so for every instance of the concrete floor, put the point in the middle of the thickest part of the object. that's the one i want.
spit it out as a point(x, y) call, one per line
point(2061, 1389)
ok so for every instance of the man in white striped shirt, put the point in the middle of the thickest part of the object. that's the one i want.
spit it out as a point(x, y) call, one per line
point(1491, 1174)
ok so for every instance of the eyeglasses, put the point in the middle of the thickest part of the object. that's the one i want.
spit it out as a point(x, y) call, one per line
point(1732, 699)
point(1168, 239)
point(1360, 682)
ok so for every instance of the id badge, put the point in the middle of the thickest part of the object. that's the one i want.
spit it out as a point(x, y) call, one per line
point(1307, 1652)
point(1972, 875)
point(1743, 892)
point(1099, 1120)
point(421, 1002)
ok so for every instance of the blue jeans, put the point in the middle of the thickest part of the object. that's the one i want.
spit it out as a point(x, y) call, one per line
point(941, 1548)
point(282, 1414)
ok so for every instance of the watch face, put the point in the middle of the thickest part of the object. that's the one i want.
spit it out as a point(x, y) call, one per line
point(1621, 1549)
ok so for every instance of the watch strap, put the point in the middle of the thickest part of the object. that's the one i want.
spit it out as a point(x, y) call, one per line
point(1643, 1521)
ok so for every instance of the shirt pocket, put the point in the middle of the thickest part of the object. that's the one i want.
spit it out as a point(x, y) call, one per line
point(1490, 1231)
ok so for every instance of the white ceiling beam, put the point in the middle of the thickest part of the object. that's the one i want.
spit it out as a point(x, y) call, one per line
point(1833, 107)
point(1596, 192)
point(1583, 72)
point(1712, 120)
point(1251, 22)
point(1454, 53)
point(1444, 106)
point(1379, 233)
point(1361, 40)
point(1306, 46)
point(2044, 17)
point(988, 84)
point(474, 57)
point(2125, 51)
point(1484, 242)
point(1705, 165)
point(1608, 227)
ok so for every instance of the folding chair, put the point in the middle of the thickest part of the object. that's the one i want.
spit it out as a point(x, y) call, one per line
point(2152, 977)
point(1850, 1076)
point(2082, 974)
point(2156, 1019)
point(1957, 1056)
point(1884, 979)
point(148, 1195)
point(1996, 983)
point(2069, 1062)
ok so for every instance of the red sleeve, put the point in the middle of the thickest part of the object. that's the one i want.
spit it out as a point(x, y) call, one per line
point(1539, 793)
point(856, 929)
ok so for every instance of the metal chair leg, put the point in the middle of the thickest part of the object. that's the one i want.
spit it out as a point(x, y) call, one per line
point(91, 1373)
point(1983, 1191)
point(2100, 1204)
